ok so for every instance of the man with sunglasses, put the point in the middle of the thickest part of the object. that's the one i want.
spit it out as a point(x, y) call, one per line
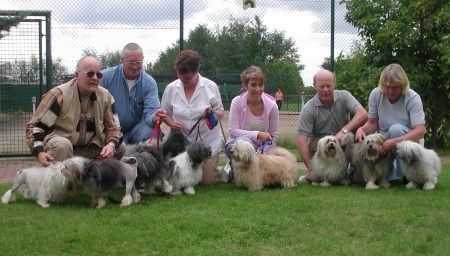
point(76, 119)
point(136, 95)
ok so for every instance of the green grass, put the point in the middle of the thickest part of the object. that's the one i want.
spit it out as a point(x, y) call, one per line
point(225, 220)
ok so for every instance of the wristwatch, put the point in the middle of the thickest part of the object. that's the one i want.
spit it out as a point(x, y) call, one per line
point(344, 130)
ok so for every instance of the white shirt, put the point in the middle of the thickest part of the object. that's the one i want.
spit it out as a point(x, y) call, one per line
point(206, 94)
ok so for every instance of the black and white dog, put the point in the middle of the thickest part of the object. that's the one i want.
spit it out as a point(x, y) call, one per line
point(151, 168)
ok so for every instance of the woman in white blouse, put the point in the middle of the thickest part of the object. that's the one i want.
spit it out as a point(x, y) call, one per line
point(185, 101)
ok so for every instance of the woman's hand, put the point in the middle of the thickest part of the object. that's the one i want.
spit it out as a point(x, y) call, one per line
point(264, 136)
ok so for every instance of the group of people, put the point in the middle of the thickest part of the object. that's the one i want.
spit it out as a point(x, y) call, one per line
point(98, 112)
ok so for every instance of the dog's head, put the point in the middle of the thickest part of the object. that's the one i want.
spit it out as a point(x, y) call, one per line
point(198, 152)
point(408, 151)
point(242, 151)
point(75, 168)
point(372, 145)
point(328, 146)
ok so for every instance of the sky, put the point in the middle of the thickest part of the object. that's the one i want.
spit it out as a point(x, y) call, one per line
point(107, 25)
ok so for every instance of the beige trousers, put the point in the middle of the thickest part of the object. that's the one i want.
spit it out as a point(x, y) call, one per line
point(210, 170)
point(61, 148)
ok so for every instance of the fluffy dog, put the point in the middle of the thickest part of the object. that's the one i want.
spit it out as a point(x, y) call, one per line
point(186, 168)
point(102, 176)
point(367, 160)
point(256, 171)
point(422, 166)
point(50, 184)
point(151, 169)
point(329, 163)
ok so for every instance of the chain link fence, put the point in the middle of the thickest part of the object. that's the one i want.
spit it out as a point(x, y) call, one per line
point(79, 28)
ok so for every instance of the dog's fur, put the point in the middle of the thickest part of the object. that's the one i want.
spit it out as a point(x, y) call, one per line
point(256, 171)
point(173, 146)
point(151, 168)
point(422, 166)
point(50, 184)
point(367, 160)
point(103, 175)
point(329, 163)
point(186, 168)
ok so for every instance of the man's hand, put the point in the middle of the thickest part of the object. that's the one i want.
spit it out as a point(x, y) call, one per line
point(45, 158)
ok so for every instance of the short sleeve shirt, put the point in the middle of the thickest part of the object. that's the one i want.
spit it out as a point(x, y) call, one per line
point(408, 110)
point(317, 120)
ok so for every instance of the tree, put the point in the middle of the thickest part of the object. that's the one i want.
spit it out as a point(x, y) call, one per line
point(6, 22)
point(227, 50)
point(415, 34)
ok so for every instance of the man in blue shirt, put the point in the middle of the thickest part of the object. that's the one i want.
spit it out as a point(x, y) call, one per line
point(135, 93)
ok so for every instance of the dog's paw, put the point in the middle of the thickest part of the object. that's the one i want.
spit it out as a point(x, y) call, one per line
point(429, 186)
point(176, 193)
point(101, 203)
point(126, 201)
point(385, 184)
point(325, 184)
point(302, 179)
point(371, 185)
point(189, 191)
point(167, 188)
point(44, 204)
point(411, 185)
point(8, 197)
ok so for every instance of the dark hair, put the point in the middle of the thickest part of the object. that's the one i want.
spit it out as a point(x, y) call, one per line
point(187, 61)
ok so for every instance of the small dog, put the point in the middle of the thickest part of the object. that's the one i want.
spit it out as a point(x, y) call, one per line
point(366, 158)
point(102, 176)
point(256, 171)
point(422, 166)
point(329, 163)
point(50, 184)
point(151, 169)
point(186, 168)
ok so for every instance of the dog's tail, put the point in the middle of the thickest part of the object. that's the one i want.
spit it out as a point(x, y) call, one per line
point(8, 197)
point(348, 139)
point(282, 152)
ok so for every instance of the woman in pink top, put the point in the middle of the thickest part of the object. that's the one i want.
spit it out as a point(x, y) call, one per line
point(253, 114)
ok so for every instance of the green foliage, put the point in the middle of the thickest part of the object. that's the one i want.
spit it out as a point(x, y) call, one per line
point(231, 48)
point(6, 22)
point(225, 220)
point(414, 34)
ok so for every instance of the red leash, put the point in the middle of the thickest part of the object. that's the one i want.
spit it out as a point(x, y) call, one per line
point(157, 128)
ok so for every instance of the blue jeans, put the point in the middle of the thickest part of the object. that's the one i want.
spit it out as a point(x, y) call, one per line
point(140, 132)
point(395, 131)
point(229, 145)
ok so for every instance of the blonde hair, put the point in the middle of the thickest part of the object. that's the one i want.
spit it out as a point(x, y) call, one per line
point(393, 75)
point(252, 72)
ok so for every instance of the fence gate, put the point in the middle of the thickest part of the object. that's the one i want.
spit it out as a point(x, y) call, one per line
point(25, 74)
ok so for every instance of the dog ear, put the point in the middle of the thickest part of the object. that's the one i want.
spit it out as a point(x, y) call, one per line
point(320, 147)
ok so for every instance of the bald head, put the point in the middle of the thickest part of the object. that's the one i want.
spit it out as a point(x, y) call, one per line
point(324, 74)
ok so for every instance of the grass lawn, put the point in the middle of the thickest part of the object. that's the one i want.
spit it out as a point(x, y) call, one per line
point(225, 220)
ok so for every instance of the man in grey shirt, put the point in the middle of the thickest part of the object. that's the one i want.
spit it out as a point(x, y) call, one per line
point(327, 113)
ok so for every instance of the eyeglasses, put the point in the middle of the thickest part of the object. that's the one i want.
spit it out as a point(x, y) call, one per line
point(92, 73)
point(132, 63)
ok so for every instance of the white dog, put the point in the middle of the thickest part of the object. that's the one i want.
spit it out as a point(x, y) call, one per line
point(366, 157)
point(422, 166)
point(329, 163)
point(50, 184)
point(256, 171)
point(187, 168)
point(102, 176)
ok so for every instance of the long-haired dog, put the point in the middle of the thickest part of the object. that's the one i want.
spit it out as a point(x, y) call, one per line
point(256, 171)
point(50, 184)
point(366, 158)
point(329, 163)
point(186, 168)
point(422, 166)
point(102, 176)
point(151, 168)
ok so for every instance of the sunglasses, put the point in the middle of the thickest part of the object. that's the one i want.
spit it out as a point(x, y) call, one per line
point(92, 73)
